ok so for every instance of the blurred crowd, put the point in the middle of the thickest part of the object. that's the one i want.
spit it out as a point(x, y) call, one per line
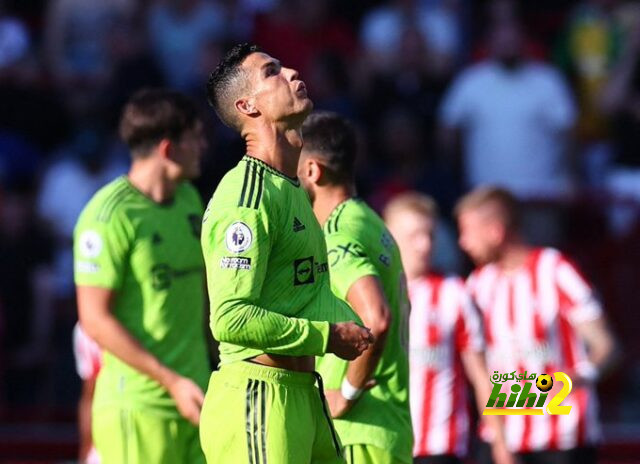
point(542, 98)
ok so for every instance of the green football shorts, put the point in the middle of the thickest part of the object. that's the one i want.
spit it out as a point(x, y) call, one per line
point(126, 436)
point(263, 415)
point(368, 454)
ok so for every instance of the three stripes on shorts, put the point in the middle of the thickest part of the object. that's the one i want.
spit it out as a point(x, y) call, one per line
point(256, 421)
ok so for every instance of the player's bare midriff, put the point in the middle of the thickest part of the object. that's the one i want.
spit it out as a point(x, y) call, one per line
point(292, 363)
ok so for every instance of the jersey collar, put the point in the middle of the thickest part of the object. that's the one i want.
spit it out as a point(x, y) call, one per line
point(250, 159)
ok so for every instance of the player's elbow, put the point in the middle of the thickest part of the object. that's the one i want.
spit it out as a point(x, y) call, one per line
point(380, 322)
point(226, 327)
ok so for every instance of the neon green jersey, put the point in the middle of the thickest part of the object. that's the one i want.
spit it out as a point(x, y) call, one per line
point(149, 254)
point(267, 267)
point(359, 245)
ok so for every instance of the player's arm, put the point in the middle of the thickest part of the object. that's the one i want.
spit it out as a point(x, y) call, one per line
point(237, 246)
point(101, 251)
point(584, 312)
point(95, 313)
point(368, 300)
point(355, 278)
point(602, 349)
point(470, 345)
point(84, 418)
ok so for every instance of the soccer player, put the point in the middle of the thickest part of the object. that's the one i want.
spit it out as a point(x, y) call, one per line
point(268, 278)
point(540, 315)
point(88, 364)
point(140, 286)
point(366, 271)
point(446, 342)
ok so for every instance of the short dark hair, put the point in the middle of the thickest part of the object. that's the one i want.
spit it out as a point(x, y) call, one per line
point(333, 138)
point(227, 81)
point(506, 204)
point(151, 115)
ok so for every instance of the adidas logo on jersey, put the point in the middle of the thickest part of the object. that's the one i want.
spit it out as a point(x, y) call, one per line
point(297, 225)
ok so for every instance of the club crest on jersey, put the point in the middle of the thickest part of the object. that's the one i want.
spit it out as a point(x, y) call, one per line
point(90, 243)
point(238, 237)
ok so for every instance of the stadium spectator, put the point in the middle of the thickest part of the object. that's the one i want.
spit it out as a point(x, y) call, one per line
point(76, 46)
point(445, 340)
point(179, 31)
point(140, 295)
point(540, 315)
point(589, 48)
point(620, 100)
point(513, 115)
point(386, 29)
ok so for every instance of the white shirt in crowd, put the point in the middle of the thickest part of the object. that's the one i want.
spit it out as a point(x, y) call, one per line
point(514, 124)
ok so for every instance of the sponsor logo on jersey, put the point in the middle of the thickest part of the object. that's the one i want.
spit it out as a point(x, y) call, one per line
point(384, 259)
point(350, 250)
point(90, 243)
point(87, 267)
point(297, 225)
point(238, 237)
point(235, 262)
point(387, 241)
point(303, 271)
point(524, 402)
point(163, 275)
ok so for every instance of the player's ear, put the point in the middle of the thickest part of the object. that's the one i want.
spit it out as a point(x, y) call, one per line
point(247, 106)
point(315, 171)
point(165, 146)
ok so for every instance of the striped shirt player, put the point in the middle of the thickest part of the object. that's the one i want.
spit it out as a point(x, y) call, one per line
point(443, 324)
point(529, 316)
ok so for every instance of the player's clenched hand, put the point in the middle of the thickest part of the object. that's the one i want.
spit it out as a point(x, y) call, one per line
point(348, 340)
point(188, 397)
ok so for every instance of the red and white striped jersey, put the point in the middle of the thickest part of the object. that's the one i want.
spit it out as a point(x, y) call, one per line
point(529, 317)
point(443, 323)
point(87, 353)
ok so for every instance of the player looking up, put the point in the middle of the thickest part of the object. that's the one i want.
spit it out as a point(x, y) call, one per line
point(272, 309)
point(366, 271)
point(140, 285)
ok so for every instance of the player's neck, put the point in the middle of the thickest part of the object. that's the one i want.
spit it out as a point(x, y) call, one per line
point(327, 199)
point(514, 255)
point(277, 146)
point(151, 180)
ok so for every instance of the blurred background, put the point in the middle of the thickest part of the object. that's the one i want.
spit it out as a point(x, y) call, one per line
point(408, 72)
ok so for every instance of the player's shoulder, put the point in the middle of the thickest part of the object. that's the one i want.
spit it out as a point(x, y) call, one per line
point(247, 186)
point(189, 193)
point(353, 217)
point(108, 202)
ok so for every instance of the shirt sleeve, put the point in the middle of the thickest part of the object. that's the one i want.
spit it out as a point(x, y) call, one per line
point(578, 302)
point(237, 249)
point(100, 248)
point(348, 262)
